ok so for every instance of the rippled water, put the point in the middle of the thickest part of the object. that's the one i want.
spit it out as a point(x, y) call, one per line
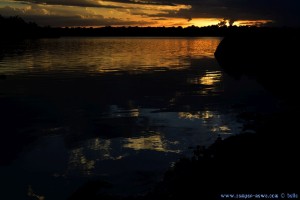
point(98, 55)
point(120, 110)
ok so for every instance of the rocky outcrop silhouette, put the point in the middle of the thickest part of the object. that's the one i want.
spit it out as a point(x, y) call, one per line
point(271, 57)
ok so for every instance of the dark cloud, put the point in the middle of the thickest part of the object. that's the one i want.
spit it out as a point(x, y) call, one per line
point(160, 18)
point(94, 3)
point(9, 11)
point(32, 10)
point(80, 3)
point(44, 18)
point(154, 2)
point(75, 21)
point(282, 12)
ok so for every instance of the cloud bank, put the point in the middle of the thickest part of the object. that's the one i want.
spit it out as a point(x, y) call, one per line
point(146, 12)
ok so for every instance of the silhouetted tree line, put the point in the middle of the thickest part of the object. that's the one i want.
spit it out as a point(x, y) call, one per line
point(191, 31)
point(16, 27)
point(144, 31)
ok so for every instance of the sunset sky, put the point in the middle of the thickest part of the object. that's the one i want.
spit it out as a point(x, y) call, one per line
point(154, 12)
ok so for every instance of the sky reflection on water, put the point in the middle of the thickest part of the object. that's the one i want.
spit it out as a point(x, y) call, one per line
point(116, 109)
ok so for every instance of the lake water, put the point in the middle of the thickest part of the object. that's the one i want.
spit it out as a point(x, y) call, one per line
point(121, 110)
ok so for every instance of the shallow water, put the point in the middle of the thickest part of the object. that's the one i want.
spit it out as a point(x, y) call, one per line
point(120, 110)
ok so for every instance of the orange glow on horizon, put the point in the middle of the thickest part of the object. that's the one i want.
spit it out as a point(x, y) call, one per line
point(198, 22)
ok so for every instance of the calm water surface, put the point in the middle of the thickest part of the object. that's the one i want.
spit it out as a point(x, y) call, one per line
point(121, 110)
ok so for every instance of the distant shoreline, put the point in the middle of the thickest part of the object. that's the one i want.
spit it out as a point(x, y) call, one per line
point(17, 28)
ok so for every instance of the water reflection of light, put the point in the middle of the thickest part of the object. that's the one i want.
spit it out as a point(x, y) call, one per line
point(211, 78)
point(145, 143)
point(116, 111)
point(134, 112)
point(212, 120)
point(85, 157)
point(188, 115)
point(154, 143)
point(224, 129)
point(102, 146)
point(208, 114)
point(31, 193)
point(196, 115)
point(153, 54)
point(79, 161)
point(94, 55)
